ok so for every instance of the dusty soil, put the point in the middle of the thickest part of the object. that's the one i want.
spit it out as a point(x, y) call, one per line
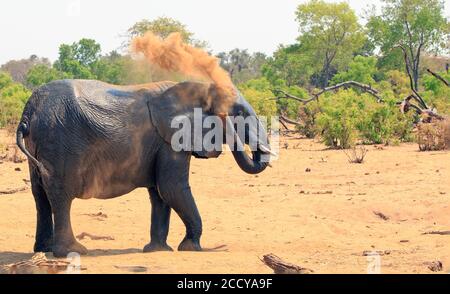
point(323, 219)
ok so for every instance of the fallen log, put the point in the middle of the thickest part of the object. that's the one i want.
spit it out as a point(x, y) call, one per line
point(282, 267)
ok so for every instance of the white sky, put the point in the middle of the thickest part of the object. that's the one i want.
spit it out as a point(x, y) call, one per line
point(39, 27)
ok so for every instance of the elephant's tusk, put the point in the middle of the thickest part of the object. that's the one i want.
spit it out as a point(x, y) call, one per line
point(267, 150)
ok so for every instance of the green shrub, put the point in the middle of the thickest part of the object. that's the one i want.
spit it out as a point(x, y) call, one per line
point(384, 123)
point(307, 116)
point(258, 94)
point(346, 118)
point(337, 121)
point(13, 97)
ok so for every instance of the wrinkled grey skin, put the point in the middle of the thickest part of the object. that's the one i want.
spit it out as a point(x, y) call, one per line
point(90, 139)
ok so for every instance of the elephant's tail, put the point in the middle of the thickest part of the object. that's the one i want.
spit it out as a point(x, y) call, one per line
point(22, 132)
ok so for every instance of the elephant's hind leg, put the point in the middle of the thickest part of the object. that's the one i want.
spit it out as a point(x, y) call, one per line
point(64, 241)
point(160, 223)
point(44, 224)
point(173, 185)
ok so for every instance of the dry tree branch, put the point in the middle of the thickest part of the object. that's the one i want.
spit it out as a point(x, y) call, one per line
point(283, 123)
point(437, 76)
point(366, 88)
point(280, 266)
point(13, 191)
point(406, 104)
point(289, 121)
point(280, 94)
point(408, 71)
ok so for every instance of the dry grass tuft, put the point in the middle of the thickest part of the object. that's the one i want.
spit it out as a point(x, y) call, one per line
point(356, 154)
point(434, 136)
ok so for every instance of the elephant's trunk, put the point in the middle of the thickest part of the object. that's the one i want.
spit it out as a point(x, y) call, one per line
point(249, 165)
point(254, 165)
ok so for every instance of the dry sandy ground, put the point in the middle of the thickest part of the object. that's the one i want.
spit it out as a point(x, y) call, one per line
point(323, 219)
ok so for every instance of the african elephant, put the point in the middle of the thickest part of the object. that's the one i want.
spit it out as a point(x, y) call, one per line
point(87, 139)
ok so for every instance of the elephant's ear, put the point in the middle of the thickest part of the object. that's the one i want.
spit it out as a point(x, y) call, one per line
point(182, 109)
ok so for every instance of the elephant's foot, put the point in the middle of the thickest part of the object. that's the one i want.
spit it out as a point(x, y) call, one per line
point(43, 246)
point(155, 246)
point(189, 245)
point(62, 250)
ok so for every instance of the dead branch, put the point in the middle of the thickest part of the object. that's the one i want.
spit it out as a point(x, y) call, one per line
point(94, 237)
point(437, 233)
point(406, 104)
point(376, 252)
point(408, 71)
point(282, 267)
point(13, 191)
point(289, 121)
point(280, 94)
point(366, 88)
point(437, 76)
point(283, 123)
point(381, 215)
point(132, 268)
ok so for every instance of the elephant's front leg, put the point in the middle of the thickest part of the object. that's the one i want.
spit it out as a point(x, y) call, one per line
point(173, 186)
point(160, 223)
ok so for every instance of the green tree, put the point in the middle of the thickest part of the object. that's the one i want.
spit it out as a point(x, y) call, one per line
point(163, 27)
point(361, 69)
point(289, 66)
point(330, 34)
point(86, 51)
point(18, 69)
point(413, 25)
point(79, 59)
point(241, 65)
point(41, 74)
point(110, 68)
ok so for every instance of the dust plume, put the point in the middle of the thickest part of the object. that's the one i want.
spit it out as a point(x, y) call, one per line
point(173, 55)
